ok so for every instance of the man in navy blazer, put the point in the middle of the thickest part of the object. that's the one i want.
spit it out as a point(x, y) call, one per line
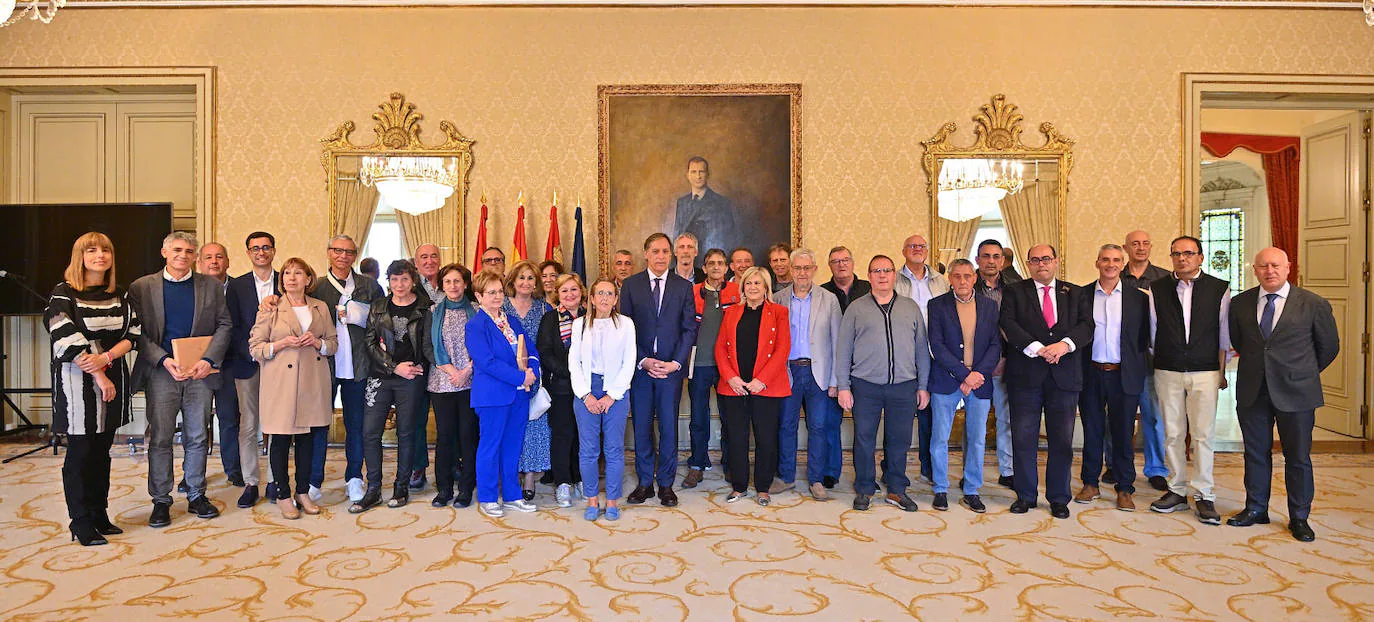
point(961, 372)
point(1047, 323)
point(243, 295)
point(663, 309)
point(1113, 377)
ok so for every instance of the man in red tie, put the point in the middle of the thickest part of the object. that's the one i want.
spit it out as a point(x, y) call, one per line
point(1047, 323)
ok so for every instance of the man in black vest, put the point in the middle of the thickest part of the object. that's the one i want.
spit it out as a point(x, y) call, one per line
point(1191, 339)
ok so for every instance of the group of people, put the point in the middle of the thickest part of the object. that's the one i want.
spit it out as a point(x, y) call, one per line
point(531, 372)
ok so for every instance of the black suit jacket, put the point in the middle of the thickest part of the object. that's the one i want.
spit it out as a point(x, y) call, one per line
point(668, 332)
point(242, 298)
point(1023, 324)
point(1288, 364)
point(711, 219)
point(553, 356)
point(1135, 335)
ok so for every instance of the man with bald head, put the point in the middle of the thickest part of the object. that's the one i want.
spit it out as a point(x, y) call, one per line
point(1139, 273)
point(427, 264)
point(918, 281)
point(1285, 336)
point(214, 261)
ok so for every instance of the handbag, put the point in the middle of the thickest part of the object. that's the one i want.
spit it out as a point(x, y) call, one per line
point(539, 403)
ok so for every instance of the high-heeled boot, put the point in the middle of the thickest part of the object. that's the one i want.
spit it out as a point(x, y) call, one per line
point(101, 521)
point(85, 532)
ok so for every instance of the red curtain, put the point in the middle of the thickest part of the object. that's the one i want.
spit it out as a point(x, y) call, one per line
point(1280, 155)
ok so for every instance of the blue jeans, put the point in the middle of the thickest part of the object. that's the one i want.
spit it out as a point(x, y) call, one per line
point(591, 429)
point(822, 426)
point(699, 388)
point(894, 406)
point(654, 401)
point(1002, 410)
point(352, 397)
point(227, 410)
point(975, 429)
point(500, 437)
point(1152, 429)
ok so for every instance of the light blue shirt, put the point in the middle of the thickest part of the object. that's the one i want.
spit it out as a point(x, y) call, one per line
point(920, 288)
point(799, 321)
point(1107, 324)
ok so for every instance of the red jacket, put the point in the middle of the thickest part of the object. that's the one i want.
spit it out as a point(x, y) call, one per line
point(775, 343)
point(729, 295)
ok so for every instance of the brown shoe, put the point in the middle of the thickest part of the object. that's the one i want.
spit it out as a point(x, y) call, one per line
point(667, 497)
point(819, 493)
point(1087, 494)
point(693, 478)
point(306, 505)
point(780, 486)
point(288, 509)
point(1124, 502)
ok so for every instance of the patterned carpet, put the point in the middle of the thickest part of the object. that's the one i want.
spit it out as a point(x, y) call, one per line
point(703, 560)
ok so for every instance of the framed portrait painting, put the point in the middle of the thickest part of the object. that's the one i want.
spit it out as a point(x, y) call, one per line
point(721, 161)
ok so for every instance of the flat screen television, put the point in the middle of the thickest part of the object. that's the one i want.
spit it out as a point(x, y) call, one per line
point(42, 245)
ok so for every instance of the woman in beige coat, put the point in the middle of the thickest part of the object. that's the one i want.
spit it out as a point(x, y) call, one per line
point(291, 342)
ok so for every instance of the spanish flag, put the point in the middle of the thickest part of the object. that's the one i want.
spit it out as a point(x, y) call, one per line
point(481, 238)
point(519, 250)
point(553, 249)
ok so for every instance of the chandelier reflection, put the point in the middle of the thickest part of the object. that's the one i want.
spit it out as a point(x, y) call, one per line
point(971, 187)
point(413, 185)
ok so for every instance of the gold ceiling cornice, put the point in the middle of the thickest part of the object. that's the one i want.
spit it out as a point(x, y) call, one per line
point(1236, 4)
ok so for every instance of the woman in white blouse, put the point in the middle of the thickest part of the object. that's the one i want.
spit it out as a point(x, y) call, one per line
point(601, 362)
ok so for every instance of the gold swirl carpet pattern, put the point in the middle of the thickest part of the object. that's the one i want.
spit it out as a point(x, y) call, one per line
point(703, 560)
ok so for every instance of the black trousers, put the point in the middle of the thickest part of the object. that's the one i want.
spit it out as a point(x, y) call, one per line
point(1295, 436)
point(1056, 406)
point(455, 427)
point(743, 412)
point(1106, 409)
point(86, 474)
point(563, 440)
point(278, 450)
point(380, 395)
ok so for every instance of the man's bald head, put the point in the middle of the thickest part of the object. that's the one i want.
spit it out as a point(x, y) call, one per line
point(1271, 268)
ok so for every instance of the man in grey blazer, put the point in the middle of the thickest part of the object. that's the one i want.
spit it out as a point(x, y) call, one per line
point(814, 318)
point(173, 304)
point(1285, 336)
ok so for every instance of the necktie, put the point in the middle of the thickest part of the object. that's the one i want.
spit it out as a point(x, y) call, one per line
point(1047, 307)
point(1267, 318)
point(658, 300)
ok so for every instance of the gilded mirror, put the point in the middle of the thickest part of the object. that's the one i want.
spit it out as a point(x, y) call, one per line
point(997, 184)
point(425, 186)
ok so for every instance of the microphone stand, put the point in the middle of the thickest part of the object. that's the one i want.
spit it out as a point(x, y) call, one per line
point(54, 441)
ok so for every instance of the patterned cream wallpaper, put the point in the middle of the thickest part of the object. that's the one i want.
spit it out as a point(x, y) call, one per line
point(876, 81)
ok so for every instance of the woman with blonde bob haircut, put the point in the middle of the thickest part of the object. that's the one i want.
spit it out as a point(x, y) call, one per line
point(92, 325)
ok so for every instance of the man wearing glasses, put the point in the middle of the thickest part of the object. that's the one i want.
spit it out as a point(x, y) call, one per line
point(1191, 341)
point(843, 283)
point(991, 283)
point(1047, 323)
point(921, 283)
point(1140, 272)
point(882, 366)
point(350, 294)
point(494, 259)
point(243, 296)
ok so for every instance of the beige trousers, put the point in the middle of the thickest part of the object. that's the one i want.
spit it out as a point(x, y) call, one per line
point(1188, 402)
point(250, 454)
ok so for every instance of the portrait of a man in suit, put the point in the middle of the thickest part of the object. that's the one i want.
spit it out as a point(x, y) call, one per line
point(703, 212)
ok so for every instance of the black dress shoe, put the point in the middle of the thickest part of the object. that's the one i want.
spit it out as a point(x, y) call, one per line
point(941, 501)
point(202, 508)
point(161, 516)
point(1006, 480)
point(667, 497)
point(1248, 517)
point(464, 499)
point(441, 500)
point(1158, 482)
point(1059, 510)
point(249, 498)
point(101, 522)
point(862, 502)
point(236, 481)
point(1301, 531)
point(829, 482)
point(640, 495)
point(83, 530)
point(1021, 507)
point(1108, 477)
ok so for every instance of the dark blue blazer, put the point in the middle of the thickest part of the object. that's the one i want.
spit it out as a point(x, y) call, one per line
point(673, 323)
point(1135, 335)
point(496, 377)
point(947, 372)
point(242, 299)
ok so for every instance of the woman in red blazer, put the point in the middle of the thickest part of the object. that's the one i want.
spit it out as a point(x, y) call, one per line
point(751, 354)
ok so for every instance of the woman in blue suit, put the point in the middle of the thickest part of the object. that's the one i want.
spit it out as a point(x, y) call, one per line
point(500, 395)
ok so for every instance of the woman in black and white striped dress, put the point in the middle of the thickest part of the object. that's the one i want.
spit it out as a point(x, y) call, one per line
point(92, 325)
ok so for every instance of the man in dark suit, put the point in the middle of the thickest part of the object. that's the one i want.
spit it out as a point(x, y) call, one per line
point(703, 212)
point(663, 309)
point(1047, 323)
point(176, 303)
point(243, 295)
point(1285, 337)
point(1113, 377)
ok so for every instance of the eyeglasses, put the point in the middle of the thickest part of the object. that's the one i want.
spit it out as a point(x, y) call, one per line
point(263, 249)
point(881, 270)
point(492, 260)
point(351, 252)
point(605, 294)
point(804, 268)
point(917, 247)
point(1184, 254)
point(842, 261)
point(1035, 261)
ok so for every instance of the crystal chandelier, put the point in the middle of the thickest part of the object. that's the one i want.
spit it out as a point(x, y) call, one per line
point(971, 187)
point(41, 10)
point(413, 185)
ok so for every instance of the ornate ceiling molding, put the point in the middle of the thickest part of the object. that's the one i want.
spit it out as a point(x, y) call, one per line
point(1237, 4)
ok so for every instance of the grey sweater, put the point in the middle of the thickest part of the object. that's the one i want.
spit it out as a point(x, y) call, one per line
point(882, 347)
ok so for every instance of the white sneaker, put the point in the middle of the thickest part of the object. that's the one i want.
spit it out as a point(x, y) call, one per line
point(492, 509)
point(520, 505)
point(355, 490)
point(581, 494)
point(316, 493)
point(564, 495)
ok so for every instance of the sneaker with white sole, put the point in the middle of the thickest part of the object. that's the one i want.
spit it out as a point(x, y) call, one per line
point(519, 505)
point(564, 495)
point(315, 493)
point(355, 489)
point(492, 509)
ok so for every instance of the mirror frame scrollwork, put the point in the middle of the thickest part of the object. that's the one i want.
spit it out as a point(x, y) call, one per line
point(396, 125)
point(997, 135)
